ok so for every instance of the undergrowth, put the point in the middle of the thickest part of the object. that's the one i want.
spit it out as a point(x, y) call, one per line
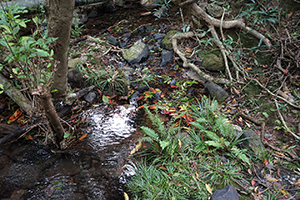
point(188, 162)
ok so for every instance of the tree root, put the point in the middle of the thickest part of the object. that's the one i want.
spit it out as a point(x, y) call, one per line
point(205, 77)
point(201, 14)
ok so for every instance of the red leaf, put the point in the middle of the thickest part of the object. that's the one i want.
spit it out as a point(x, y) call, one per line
point(253, 182)
point(266, 162)
point(140, 98)
point(286, 71)
point(152, 107)
point(15, 116)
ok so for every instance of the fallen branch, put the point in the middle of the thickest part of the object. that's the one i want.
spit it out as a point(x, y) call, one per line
point(16, 134)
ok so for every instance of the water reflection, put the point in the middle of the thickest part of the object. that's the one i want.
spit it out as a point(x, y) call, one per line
point(110, 128)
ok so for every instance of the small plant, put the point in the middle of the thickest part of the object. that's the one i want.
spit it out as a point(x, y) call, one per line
point(76, 30)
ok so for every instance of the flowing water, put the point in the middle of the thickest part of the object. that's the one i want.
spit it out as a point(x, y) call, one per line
point(94, 168)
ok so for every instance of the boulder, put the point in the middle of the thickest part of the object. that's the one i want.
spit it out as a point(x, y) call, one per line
point(212, 62)
point(137, 52)
point(227, 193)
point(215, 91)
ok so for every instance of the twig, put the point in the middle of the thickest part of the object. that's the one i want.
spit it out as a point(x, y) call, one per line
point(295, 157)
point(271, 93)
point(283, 122)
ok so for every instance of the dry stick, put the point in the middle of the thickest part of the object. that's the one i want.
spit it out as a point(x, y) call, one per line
point(283, 122)
point(295, 157)
point(279, 97)
point(197, 11)
point(186, 64)
point(222, 48)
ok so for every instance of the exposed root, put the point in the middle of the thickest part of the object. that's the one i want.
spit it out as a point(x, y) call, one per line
point(201, 14)
point(205, 77)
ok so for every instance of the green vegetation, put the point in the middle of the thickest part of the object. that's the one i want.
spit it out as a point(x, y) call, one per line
point(183, 162)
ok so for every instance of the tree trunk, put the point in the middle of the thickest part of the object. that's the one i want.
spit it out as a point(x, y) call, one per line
point(59, 25)
point(47, 104)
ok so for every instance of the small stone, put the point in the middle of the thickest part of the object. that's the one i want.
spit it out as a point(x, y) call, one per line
point(157, 36)
point(166, 56)
point(227, 193)
point(137, 52)
point(90, 97)
point(112, 40)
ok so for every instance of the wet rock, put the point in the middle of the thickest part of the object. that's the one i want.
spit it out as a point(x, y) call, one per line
point(112, 40)
point(17, 194)
point(65, 167)
point(215, 91)
point(214, 10)
point(253, 142)
point(4, 160)
point(167, 41)
point(90, 97)
point(166, 56)
point(212, 62)
point(23, 175)
point(158, 36)
point(92, 14)
point(136, 53)
point(227, 193)
point(75, 78)
point(148, 28)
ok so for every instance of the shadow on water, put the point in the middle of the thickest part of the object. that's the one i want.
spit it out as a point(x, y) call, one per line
point(94, 168)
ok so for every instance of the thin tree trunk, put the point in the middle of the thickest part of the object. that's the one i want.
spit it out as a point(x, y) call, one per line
point(59, 25)
point(47, 104)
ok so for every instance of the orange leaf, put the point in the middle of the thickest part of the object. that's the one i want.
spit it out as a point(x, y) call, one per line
point(153, 90)
point(280, 154)
point(286, 71)
point(152, 107)
point(82, 137)
point(197, 175)
point(297, 184)
point(15, 116)
point(266, 162)
point(162, 167)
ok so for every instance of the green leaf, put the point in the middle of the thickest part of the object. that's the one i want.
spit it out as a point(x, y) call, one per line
point(164, 144)
point(105, 99)
point(214, 144)
point(150, 132)
point(53, 90)
point(66, 135)
point(42, 53)
point(212, 135)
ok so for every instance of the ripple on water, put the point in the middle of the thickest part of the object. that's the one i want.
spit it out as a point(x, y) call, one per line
point(110, 128)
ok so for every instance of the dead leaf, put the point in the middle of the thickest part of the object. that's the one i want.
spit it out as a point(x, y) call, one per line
point(266, 162)
point(297, 184)
point(15, 116)
point(179, 143)
point(197, 176)
point(270, 179)
point(208, 188)
point(279, 153)
point(126, 197)
point(83, 136)
point(136, 148)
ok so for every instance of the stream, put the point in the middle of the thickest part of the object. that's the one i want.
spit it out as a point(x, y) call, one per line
point(94, 168)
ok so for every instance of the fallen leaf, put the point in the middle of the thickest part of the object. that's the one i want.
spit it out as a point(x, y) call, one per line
point(266, 162)
point(270, 179)
point(208, 188)
point(83, 136)
point(284, 192)
point(280, 154)
point(197, 176)
point(252, 182)
point(297, 184)
point(15, 116)
point(152, 107)
point(179, 143)
point(136, 148)
point(126, 197)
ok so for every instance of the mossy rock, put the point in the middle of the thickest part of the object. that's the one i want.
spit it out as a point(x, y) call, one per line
point(167, 41)
point(213, 62)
